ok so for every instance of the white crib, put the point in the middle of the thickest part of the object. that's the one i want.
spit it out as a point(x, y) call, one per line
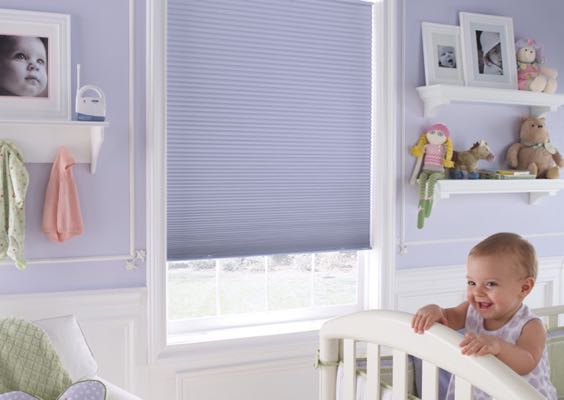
point(438, 348)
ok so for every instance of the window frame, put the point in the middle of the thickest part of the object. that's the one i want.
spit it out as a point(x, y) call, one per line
point(378, 277)
point(196, 326)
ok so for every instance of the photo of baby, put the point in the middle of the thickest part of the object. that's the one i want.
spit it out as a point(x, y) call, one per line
point(446, 56)
point(23, 66)
point(490, 61)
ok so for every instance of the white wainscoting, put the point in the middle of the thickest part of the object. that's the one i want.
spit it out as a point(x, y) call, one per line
point(113, 322)
point(445, 285)
point(281, 380)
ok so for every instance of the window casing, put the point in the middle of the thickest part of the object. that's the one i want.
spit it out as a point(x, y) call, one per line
point(377, 279)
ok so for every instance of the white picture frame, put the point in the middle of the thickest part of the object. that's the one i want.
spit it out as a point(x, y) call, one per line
point(34, 32)
point(442, 54)
point(496, 66)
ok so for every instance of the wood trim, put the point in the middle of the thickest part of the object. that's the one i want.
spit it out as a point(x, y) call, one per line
point(383, 212)
point(156, 176)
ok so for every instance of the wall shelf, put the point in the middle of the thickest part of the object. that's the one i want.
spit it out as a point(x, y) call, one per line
point(537, 188)
point(434, 96)
point(40, 140)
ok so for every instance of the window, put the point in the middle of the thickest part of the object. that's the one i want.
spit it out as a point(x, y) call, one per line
point(268, 110)
point(262, 289)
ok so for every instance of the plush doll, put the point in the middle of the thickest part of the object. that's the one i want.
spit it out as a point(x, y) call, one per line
point(531, 74)
point(434, 153)
point(534, 152)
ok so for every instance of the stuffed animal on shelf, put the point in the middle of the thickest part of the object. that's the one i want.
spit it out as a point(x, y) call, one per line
point(434, 153)
point(534, 152)
point(531, 75)
point(466, 162)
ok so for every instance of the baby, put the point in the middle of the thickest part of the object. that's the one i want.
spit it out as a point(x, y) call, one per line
point(447, 58)
point(491, 50)
point(23, 66)
point(501, 271)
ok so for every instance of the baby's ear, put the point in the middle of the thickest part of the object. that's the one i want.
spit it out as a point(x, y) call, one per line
point(527, 286)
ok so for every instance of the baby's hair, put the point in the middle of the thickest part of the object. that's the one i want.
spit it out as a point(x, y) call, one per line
point(7, 43)
point(512, 245)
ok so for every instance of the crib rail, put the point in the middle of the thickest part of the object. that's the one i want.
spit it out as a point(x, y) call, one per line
point(438, 348)
point(551, 314)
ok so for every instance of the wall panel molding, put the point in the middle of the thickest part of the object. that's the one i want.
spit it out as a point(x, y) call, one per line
point(113, 322)
point(445, 285)
point(295, 379)
point(405, 161)
point(134, 256)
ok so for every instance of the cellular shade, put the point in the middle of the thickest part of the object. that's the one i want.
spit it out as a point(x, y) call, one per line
point(268, 127)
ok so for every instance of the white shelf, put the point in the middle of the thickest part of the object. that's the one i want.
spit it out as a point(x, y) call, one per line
point(434, 96)
point(40, 140)
point(537, 188)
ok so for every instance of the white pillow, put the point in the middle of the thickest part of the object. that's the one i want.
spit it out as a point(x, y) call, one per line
point(69, 343)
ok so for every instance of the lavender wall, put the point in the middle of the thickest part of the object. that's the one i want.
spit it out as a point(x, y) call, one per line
point(468, 218)
point(100, 43)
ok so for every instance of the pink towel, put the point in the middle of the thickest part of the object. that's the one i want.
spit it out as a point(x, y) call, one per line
point(61, 212)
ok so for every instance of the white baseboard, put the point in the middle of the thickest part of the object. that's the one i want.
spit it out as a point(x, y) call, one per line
point(445, 285)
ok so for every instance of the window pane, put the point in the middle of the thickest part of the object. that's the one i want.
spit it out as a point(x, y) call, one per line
point(242, 285)
point(335, 279)
point(191, 289)
point(289, 281)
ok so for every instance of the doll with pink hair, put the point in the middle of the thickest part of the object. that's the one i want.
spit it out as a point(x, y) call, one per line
point(434, 153)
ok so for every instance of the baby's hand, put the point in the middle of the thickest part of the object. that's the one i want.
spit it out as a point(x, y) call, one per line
point(480, 344)
point(426, 316)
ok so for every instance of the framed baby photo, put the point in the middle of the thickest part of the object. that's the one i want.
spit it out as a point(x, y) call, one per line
point(488, 50)
point(34, 65)
point(442, 54)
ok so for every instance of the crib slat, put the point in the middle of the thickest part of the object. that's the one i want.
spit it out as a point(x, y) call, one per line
point(462, 389)
point(399, 375)
point(552, 321)
point(349, 369)
point(373, 370)
point(430, 381)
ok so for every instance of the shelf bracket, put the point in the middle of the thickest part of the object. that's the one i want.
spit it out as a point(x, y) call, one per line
point(432, 105)
point(96, 140)
point(540, 111)
point(536, 197)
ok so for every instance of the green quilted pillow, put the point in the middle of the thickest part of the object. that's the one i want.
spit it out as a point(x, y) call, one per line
point(28, 362)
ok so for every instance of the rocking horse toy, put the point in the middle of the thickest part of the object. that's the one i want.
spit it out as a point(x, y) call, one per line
point(466, 162)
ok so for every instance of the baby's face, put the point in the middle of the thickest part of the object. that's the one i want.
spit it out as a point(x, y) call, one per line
point(23, 68)
point(446, 58)
point(496, 287)
point(495, 53)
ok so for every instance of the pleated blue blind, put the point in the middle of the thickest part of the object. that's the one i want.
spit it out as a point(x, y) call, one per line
point(268, 127)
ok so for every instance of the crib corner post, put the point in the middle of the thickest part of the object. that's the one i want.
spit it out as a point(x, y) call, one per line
point(328, 362)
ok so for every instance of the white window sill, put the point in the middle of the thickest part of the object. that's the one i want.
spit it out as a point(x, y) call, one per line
point(247, 332)
point(253, 344)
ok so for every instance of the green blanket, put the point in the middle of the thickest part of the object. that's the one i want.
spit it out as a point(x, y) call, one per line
point(28, 362)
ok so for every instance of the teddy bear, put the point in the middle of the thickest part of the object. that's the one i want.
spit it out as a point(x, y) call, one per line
point(531, 75)
point(534, 152)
